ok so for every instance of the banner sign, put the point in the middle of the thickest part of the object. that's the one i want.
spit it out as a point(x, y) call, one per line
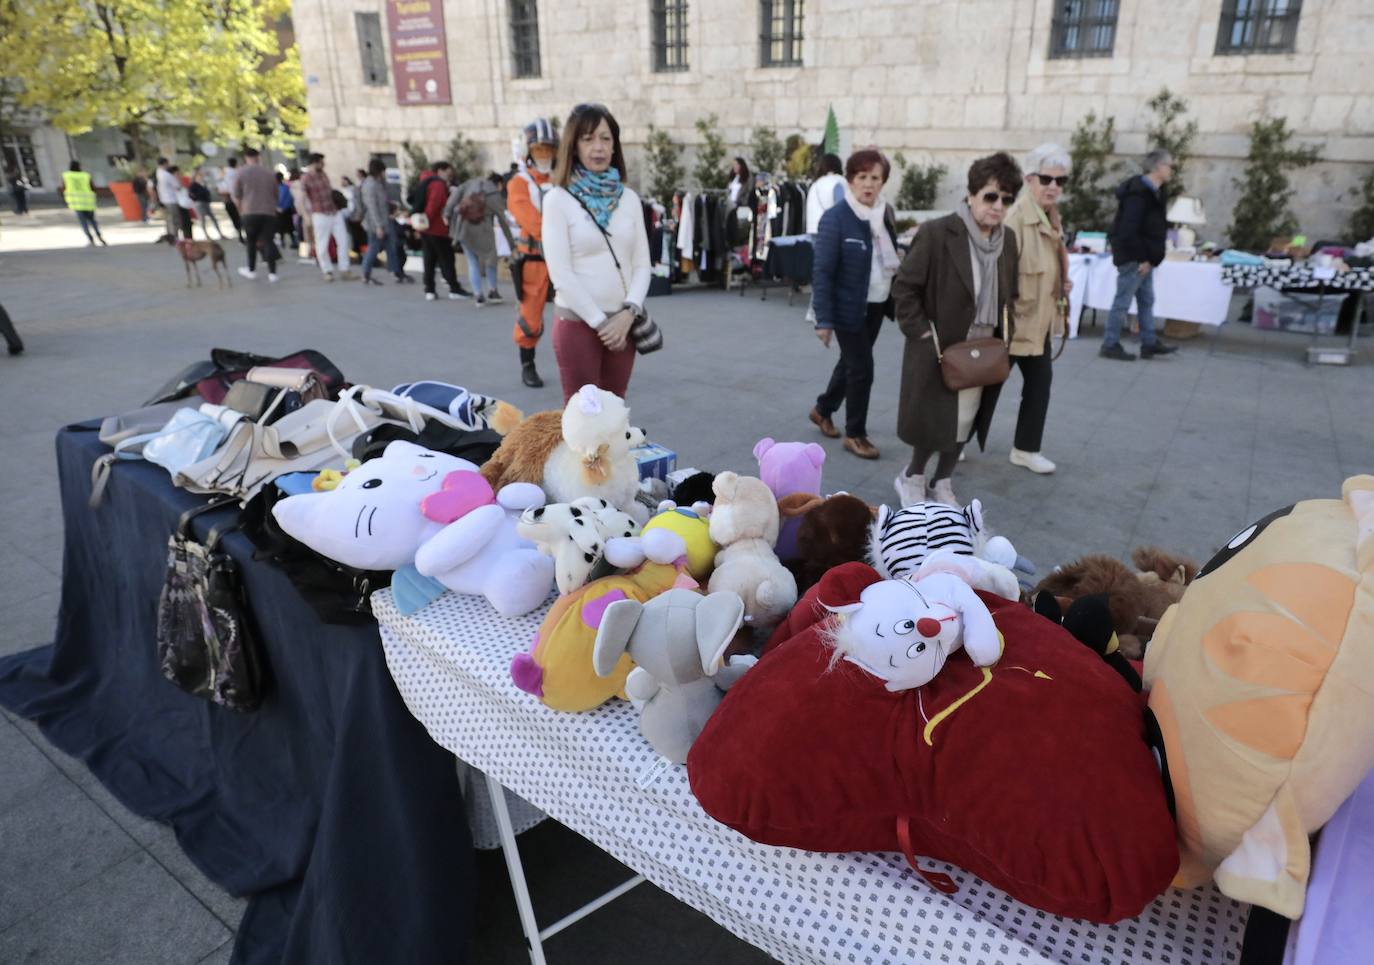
point(419, 51)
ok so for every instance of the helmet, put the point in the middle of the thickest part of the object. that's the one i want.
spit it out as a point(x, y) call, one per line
point(541, 131)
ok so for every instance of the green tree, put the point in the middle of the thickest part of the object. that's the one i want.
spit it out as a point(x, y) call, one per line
point(1262, 212)
point(920, 184)
point(216, 65)
point(1169, 130)
point(710, 167)
point(663, 157)
point(417, 160)
point(466, 158)
point(1088, 204)
point(769, 152)
point(1361, 224)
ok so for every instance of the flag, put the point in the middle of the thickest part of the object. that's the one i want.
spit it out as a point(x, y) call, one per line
point(832, 133)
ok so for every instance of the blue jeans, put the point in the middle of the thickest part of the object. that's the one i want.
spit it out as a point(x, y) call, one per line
point(475, 274)
point(87, 222)
point(395, 249)
point(1130, 283)
point(374, 248)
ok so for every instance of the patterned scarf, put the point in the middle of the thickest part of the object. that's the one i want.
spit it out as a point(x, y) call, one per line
point(599, 192)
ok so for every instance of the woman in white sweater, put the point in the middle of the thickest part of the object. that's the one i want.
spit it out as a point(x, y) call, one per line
point(597, 253)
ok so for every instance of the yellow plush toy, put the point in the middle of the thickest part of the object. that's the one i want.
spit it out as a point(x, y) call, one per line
point(1262, 680)
point(695, 531)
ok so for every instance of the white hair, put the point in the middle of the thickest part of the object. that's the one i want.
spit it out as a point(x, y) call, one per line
point(1048, 155)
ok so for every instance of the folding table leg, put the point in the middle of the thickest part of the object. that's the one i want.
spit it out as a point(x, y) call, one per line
point(516, 871)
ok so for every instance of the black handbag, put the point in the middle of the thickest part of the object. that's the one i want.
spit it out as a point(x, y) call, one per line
point(205, 641)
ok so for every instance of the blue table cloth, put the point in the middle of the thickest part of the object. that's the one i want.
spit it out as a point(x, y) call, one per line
point(330, 807)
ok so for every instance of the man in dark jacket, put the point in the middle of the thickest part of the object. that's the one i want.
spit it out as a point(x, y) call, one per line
point(1137, 239)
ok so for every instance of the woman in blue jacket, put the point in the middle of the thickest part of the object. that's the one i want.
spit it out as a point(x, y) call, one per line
point(855, 259)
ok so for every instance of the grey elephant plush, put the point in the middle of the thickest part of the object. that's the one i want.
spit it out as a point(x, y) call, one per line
point(677, 641)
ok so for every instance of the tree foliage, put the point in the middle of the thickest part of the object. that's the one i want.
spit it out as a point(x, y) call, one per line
point(919, 186)
point(216, 65)
point(768, 150)
point(800, 157)
point(1170, 131)
point(465, 156)
point(710, 167)
point(1088, 204)
point(663, 157)
point(1361, 224)
point(1262, 213)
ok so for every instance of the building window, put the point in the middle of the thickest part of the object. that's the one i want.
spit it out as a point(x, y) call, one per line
point(670, 34)
point(1084, 28)
point(370, 48)
point(524, 37)
point(780, 36)
point(1258, 26)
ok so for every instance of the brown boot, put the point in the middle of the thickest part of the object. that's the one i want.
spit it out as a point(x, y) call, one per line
point(824, 424)
point(861, 447)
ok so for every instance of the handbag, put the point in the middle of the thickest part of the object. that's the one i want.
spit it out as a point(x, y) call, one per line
point(268, 393)
point(205, 642)
point(976, 361)
point(645, 334)
point(419, 221)
point(189, 436)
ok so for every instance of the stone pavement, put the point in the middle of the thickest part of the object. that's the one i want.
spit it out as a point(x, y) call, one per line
point(1180, 452)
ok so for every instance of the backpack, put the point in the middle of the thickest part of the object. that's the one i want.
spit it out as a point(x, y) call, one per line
point(415, 200)
point(473, 208)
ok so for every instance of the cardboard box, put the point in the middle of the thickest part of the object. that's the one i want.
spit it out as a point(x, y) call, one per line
point(1276, 310)
point(655, 461)
point(1173, 328)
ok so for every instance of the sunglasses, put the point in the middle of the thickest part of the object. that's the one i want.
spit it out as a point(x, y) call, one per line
point(992, 197)
point(1046, 180)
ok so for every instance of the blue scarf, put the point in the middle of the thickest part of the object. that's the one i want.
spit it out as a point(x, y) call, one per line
point(599, 192)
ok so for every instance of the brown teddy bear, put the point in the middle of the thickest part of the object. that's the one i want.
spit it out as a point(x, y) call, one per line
point(833, 531)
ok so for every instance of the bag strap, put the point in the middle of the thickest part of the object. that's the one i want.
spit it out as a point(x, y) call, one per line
point(1062, 305)
point(606, 236)
point(1006, 335)
point(184, 521)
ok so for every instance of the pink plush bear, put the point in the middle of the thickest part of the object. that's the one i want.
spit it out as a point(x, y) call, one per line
point(788, 468)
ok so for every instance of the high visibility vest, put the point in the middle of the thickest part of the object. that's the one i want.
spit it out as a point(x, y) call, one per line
point(76, 188)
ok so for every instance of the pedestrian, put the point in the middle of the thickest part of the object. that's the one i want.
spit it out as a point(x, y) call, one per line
point(302, 228)
point(19, 190)
point(1137, 239)
point(229, 176)
point(855, 259)
point(526, 191)
point(185, 203)
point(286, 213)
point(400, 236)
point(13, 342)
point(597, 252)
point(140, 186)
point(373, 204)
point(167, 185)
point(257, 194)
point(959, 280)
point(434, 237)
point(326, 218)
point(741, 181)
point(470, 211)
point(80, 197)
point(200, 197)
point(825, 191)
point(1042, 293)
point(353, 213)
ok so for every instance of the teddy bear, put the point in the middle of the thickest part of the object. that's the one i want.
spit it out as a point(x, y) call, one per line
point(582, 451)
point(744, 524)
point(789, 468)
point(832, 531)
point(575, 535)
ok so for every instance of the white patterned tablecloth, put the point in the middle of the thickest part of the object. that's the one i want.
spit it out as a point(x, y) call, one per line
point(597, 775)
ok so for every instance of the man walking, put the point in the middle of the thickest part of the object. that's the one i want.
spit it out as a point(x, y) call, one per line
point(167, 186)
point(1137, 238)
point(438, 249)
point(326, 218)
point(76, 188)
point(228, 178)
point(255, 194)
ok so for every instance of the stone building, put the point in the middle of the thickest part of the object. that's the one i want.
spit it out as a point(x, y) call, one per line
point(941, 80)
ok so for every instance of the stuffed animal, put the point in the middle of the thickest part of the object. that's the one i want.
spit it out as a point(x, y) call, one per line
point(1089, 619)
point(582, 451)
point(788, 469)
point(692, 526)
point(903, 631)
point(832, 531)
point(574, 535)
point(1262, 680)
point(900, 539)
point(696, 488)
point(744, 524)
point(677, 641)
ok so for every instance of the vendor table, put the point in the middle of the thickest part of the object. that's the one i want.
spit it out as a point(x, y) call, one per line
point(597, 775)
point(329, 806)
point(1188, 291)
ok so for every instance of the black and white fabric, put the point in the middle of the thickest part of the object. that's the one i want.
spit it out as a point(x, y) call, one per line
point(596, 774)
point(900, 539)
point(1297, 276)
point(486, 835)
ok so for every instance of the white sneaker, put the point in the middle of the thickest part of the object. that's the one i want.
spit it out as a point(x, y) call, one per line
point(910, 489)
point(329, 276)
point(962, 452)
point(430, 296)
point(943, 492)
point(1032, 461)
point(248, 272)
point(272, 277)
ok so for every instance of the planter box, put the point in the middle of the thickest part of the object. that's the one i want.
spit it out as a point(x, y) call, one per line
point(123, 192)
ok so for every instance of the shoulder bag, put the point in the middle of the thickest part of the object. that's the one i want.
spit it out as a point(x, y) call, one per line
point(975, 361)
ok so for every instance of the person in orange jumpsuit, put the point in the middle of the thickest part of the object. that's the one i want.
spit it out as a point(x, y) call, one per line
point(525, 196)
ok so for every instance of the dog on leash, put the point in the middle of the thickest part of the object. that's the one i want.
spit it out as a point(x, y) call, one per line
point(194, 251)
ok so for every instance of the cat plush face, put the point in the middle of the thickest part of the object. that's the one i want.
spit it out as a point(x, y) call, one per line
point(373, 519)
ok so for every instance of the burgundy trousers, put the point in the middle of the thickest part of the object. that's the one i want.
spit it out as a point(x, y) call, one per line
point(583, 360)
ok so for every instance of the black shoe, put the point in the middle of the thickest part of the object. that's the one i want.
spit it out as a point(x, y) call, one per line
point(1115, 352)
point(17, 348)
point(528, 374)
point(1158, 348)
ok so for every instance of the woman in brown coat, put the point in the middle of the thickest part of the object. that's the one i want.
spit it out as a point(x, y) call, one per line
point(960, 275)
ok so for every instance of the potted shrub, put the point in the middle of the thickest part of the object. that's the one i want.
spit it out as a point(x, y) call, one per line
point(123, 190)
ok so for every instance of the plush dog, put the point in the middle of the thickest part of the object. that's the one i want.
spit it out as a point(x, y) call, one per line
point(575, 535)
point(744, 523)
point(194, 251)
point(831, 532)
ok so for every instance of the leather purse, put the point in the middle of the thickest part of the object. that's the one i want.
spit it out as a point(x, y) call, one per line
point(976, 361)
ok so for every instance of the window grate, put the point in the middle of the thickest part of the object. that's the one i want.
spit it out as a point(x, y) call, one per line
point(1084, 28)
point(1258, 26)
point(669, 23)
point(780, 36)
point(370, 50)
point(524, 38)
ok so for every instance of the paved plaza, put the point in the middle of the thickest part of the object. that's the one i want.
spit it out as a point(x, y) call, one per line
point(1178, 452)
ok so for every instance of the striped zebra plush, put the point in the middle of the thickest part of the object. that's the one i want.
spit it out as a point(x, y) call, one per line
point(900, 539)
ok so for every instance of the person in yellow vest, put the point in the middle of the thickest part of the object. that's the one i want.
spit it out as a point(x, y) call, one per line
point(76, 188)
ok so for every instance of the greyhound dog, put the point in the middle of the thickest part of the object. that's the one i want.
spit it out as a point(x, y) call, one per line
point(193, 251)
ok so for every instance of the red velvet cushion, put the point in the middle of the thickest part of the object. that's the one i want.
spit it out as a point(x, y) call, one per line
point(1040, 783)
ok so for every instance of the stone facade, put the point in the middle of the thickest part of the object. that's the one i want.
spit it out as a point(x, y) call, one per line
point(942, 80)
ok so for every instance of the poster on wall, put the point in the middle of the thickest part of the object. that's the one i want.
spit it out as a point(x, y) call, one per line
point(419, 51)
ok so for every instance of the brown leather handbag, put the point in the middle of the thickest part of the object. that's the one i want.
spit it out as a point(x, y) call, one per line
point(975, 361)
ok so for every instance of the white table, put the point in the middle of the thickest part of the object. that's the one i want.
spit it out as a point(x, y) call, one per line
point(1189, 291)
point(597, 775)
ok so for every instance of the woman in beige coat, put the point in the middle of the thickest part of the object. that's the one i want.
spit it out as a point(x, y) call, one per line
point(1043, 284)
